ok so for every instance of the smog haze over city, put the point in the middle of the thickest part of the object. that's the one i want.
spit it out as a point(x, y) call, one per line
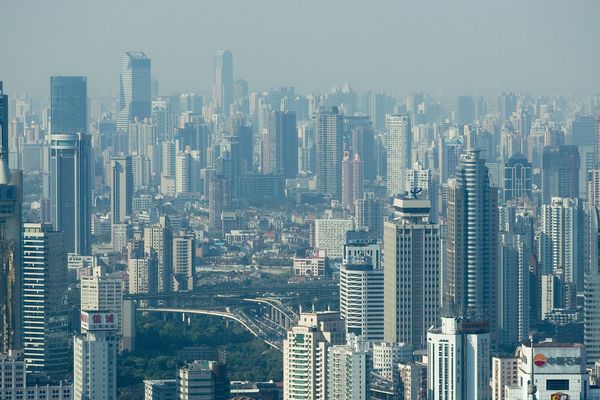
point(299, 200)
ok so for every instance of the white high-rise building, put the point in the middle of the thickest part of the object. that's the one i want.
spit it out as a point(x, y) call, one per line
point(591, 293)
point(458, 358)
point(102, 292)
point(159, 238)
point(558, 371)
point(347, 371)
point(143, 271)
point(187, 172)
point(305, 354)
point(417, 177)
point(386, 357)
point(95, 356)
point(504, 373)
point(160, 389)
point(399, 144)
point(330, 235)
point(561, 241)
point(183, 258)
point(361, 298)
point(412, 270)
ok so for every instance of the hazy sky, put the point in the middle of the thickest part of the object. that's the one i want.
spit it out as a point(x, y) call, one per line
point(455, 46)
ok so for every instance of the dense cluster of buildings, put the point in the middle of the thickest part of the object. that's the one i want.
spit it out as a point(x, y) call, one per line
point(464, 235)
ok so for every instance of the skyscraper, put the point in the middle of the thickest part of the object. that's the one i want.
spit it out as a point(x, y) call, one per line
point(560, 173)
point(517, 178)
point(219, 200)
point(399, 143)
point(305, 354)
point(68, 104)
point(223, 80)
point(412, 269)
point(458, 359)
point(352, 179)
point(329, 152)
point(68, 188)
point(280, 145)
point(465, 110)
point(11, 194)
point(159, 238)
point(102, 292)
point(95, 356)
point(361, 297)
point(583, 130)
point(4, 121)
point(121, 188)
point(591, 303)
point(472, 242)
point(135, 100)
point(347, 371)
point(45, 316)
point(368, 212)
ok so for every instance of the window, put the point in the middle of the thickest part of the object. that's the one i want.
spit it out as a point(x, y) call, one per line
point(557, 384)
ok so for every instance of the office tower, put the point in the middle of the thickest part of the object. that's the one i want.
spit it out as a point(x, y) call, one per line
point(361, 297)
point(69, 188)
point(591, 293)
point(376, 108)
point(68, 105)
point(95, 356)
point(583, 130)
point(184, 251)
point(413, 380)
point(368, 212)
point(329, 152)
point(280, 145)
point(140, 166)
point(347, 371)
point(362, 141)
point(560, 173)
point(102, 292)
point(161, 114)
point(387, 356)
point(159, 238)
point(223, 80)
point(45, 316)
point(121, 188)
point(330, 235)
point(352, 179)
point(135, 99)
point(517, 178)
point(472, 242)
point(465, 110)
point(228, 164)
point(542, 363)
point(142, 270)
point(202, 380)
point(160, 389)
point(399, 144)
point(305, 354)
point(187, 172)
point(458, 359)
point(219, 200)
point(11, 198)
point(561, 240)
point(143, 139)
point(412, 270)
point(449, 151)
point(4, 122)
point(515, 285)
point(360, 244)
point(418, 179)
point(507, 104)
point(504, 373)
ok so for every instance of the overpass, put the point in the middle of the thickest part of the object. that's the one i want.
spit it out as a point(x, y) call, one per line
point(240, 317)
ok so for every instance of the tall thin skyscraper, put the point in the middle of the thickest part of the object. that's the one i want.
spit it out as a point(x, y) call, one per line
point(412, 269)
point(68, 104)
point(560, 173)
point(45, 316)
point(121, 188)
point(472, 242)
point(135, 99)
point(223, 80)
point(399, 142)
point(329, 152)
point(68, 188)
point(159, 238)
point(4, 122)
point(11, 193)
point(352, 179)
point(280, 145)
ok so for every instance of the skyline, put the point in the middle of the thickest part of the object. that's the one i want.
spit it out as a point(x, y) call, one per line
point(549, 51)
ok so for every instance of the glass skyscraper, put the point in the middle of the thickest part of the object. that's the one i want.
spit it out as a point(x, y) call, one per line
point(68, 104)
point(223, 80)
point(135, 96)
